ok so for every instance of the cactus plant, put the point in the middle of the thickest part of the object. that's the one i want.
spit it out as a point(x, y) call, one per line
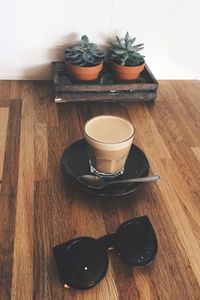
point(125, 53)
point(85, 54)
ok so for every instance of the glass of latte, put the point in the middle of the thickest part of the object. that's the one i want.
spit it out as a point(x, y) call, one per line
point(109, 139)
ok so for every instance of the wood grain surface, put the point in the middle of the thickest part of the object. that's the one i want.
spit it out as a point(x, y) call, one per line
point(39, 210)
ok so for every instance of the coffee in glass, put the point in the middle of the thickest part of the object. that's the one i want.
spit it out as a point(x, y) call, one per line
point(109, 139)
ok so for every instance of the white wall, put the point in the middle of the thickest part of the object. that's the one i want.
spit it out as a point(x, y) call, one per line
point(33, 33)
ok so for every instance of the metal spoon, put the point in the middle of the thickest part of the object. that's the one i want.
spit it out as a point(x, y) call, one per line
point(96, 182)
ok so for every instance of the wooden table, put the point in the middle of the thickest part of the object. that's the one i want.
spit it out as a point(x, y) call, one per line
point(39, 210)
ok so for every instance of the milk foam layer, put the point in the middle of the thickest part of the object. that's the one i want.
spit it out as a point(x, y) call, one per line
point(109, 129)
point(109, 132)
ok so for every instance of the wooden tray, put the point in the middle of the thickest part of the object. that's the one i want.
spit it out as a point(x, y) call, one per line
point(104, 89)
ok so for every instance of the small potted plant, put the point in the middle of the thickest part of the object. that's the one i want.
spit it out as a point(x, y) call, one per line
point(84, 61)
point(126, 61)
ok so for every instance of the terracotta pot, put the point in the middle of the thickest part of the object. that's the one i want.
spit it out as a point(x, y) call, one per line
point(125, 72)
point(84, 73)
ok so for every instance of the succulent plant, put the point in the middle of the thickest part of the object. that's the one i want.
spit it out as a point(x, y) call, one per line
point(84, 54)
point(124, 52)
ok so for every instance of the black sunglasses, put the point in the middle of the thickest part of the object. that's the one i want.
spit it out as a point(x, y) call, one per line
point(83, 261)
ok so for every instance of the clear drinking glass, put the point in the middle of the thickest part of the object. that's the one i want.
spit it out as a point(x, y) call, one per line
point(109, 139)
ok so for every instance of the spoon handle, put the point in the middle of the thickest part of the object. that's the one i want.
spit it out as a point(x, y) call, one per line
point(141, 179)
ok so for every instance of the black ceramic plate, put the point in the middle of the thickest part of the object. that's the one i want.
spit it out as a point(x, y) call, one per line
point(74, 162)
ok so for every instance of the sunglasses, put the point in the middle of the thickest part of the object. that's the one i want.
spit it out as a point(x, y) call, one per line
point(83, 261)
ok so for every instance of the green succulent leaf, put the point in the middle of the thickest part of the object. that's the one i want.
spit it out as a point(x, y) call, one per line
point(139, 49)
point(138, 45)
point(133, 40)
point(117, 51)
point(76, 61)
point(91, 59)
point(127, 38)
point(84, 40)
point(84, 54)
point(67, 51)
point(72, 55)
point(125, 52)
point(119, 42)
point(77, 48)
point(115, 45)
point(82, 64)
point(92, 46)
point(98, 54)
point(128, 46)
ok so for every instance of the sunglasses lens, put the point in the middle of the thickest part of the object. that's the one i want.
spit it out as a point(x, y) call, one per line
point(82, 263)
point(136, 241)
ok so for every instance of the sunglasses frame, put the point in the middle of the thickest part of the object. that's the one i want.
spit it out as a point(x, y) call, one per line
point(106, 243)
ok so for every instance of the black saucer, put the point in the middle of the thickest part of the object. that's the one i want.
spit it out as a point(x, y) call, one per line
point(74, 162)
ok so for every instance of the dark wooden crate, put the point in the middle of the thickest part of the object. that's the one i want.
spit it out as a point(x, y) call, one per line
point(105, 88)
